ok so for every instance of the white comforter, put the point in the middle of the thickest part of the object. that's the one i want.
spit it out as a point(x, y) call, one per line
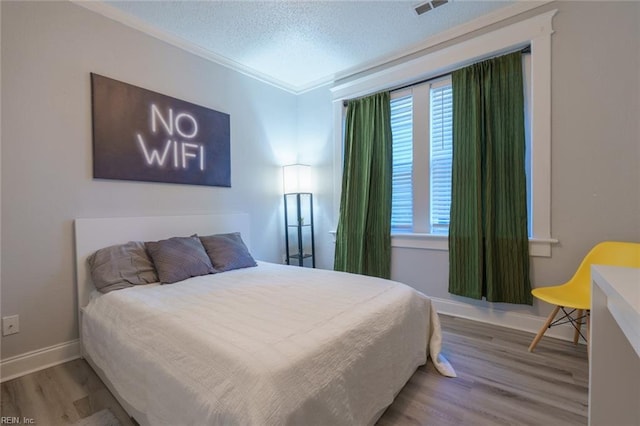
point(270, 345)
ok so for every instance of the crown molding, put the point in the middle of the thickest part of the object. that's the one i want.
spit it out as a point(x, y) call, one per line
point(492, 43)
point(121, 17)
point(458, 31)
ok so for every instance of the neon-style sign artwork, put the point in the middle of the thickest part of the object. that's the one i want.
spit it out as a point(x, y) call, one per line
point(153, 157)
point(143, 135)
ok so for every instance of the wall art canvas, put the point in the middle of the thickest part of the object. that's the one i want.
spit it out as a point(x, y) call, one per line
point(146, 136)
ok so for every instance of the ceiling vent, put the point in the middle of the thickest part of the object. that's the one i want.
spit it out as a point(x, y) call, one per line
point(425, 7)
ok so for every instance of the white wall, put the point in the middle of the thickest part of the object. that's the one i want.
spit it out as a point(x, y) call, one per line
point(315, 147)
point(48, 51)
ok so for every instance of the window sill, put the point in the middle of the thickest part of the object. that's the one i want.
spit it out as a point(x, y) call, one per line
point(538, 247)
point(420, 241)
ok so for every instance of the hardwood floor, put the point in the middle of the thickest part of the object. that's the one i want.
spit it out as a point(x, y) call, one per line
point(498, 383)
point(59, 395)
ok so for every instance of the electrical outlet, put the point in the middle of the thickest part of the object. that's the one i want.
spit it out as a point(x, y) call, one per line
point(10, 325)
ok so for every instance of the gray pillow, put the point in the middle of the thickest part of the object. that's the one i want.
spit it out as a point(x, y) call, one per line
point(227, 251)
point(121, 266)
point(179, 258)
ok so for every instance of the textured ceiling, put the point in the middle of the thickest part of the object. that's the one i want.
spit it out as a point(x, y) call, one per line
point(301, 44)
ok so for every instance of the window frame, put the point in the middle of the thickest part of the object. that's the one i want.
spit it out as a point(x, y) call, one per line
point(536, 32)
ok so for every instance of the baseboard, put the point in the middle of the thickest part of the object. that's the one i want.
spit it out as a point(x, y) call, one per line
point(517, 321)
point(39, 359)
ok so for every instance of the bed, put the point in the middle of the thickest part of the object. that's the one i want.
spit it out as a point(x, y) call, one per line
point(264, 345)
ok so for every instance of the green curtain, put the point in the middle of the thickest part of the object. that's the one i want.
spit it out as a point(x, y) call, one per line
point(488, 235)
point(363, 240)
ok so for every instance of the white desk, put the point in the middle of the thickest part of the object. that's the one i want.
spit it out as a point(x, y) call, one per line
point(614, 364)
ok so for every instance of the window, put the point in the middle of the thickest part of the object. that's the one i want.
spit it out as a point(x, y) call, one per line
point(402, 181)
point(422, 158)
point(535, 31)
point(440, 165)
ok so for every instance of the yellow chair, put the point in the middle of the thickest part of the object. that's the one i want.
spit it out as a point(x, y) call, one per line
point(575, 294)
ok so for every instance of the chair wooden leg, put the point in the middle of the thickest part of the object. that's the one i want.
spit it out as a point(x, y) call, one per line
point(544, 328)
point(576, 334)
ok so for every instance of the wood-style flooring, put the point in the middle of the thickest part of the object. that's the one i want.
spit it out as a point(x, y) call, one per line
point(498, 383)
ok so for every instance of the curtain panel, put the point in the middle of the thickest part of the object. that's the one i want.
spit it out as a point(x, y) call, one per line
point(363, 239)
point(488, 233)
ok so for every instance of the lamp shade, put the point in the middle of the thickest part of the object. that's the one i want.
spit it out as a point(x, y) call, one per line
point(297, 178)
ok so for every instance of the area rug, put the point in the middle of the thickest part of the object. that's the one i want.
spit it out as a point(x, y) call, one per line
point(101, 418)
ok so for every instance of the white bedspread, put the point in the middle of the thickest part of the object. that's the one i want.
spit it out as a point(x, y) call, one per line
point(270, 345)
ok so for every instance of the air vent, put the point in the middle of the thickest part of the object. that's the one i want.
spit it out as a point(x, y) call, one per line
point(425, 7)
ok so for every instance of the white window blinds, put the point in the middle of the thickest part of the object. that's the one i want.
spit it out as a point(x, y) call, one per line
point(441, 138)
point(402, 186)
